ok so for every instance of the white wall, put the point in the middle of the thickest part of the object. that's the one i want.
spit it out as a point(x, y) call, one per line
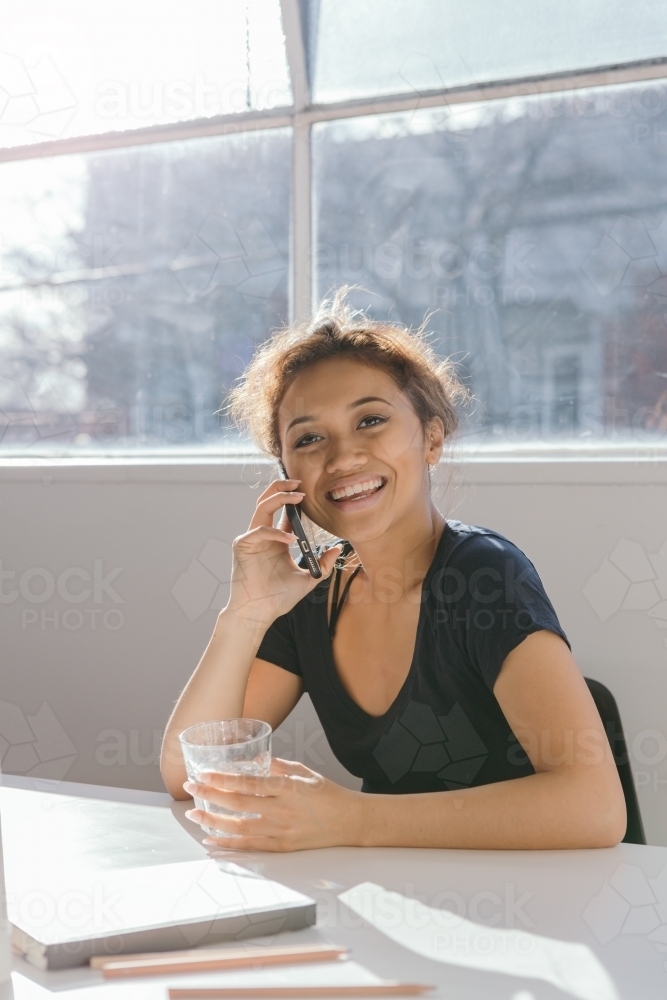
point(109, 666)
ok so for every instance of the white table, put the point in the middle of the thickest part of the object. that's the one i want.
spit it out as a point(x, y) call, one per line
point(545, 892)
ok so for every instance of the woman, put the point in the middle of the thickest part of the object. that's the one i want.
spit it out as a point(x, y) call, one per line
point(435, 661)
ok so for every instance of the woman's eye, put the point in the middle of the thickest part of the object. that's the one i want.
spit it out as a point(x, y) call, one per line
point(304, 440)
point(309, 438)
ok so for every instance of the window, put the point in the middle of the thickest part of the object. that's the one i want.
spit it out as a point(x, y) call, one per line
point(179, 178)
point(363, 48)
point(137, 284)
point(79, 68)
point(535, 230)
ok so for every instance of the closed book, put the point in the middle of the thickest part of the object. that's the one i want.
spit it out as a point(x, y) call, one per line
point(76, 914)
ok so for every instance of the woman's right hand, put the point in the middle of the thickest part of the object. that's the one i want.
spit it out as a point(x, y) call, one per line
point(266, 581)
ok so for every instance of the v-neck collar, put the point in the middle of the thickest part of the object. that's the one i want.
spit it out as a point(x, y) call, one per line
point(327, 646)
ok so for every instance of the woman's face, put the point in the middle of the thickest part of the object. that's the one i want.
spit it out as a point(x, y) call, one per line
point(345, 425)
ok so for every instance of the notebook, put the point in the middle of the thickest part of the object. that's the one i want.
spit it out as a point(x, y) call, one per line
point(76, 914)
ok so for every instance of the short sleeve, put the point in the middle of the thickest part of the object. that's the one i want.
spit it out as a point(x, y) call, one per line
point(494, 598)
point(278, 646)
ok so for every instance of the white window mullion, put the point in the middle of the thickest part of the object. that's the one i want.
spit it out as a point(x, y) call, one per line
point(301, 290)
point(300, 284)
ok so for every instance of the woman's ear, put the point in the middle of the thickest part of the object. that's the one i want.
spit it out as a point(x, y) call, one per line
point(435, 440)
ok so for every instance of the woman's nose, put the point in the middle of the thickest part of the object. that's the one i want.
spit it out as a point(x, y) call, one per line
point(346, 461)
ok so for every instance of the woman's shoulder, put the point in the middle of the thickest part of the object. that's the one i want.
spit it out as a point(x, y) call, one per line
point(488, 593)
point(470, 547)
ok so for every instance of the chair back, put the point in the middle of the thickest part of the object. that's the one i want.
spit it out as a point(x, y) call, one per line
point(611, 719)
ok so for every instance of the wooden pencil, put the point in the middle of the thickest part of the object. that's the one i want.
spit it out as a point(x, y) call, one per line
point(387, 989)
point(207, 959)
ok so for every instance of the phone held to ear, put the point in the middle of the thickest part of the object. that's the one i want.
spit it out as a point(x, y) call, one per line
point(297, 527)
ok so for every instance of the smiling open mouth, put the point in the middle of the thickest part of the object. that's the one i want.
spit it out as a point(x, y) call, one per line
point(359, 491)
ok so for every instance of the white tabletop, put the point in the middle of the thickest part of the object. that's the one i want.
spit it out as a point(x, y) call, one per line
point(613, 900)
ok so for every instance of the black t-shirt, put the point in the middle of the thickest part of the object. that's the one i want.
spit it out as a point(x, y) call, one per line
point(480, 598)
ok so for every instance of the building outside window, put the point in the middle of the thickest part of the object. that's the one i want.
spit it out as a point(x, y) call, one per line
point(167, 202)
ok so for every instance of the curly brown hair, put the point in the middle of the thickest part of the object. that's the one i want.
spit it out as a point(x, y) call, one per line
point(430, 383)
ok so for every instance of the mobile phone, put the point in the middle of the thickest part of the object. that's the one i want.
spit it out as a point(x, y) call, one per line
point(297, 527)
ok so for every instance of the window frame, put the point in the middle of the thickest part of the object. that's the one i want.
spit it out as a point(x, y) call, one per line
point(300, 117)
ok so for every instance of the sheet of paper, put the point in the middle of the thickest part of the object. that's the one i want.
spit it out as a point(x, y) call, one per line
point(446, 937)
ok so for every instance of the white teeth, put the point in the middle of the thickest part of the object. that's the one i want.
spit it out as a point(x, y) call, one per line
point(349, 491)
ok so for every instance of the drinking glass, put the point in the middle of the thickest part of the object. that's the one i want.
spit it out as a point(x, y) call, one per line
point(231, 746)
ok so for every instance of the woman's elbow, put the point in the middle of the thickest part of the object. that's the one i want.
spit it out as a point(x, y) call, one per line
point(613, 830)
point(173, 782)
point(608, 820)
point(172, 768)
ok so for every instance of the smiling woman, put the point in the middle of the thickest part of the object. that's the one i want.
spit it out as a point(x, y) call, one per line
point(442, 677)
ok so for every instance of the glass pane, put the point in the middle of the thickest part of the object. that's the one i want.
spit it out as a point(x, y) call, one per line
point(134, 287)
point(536, 230)
point(81, 68)
point(364, 48)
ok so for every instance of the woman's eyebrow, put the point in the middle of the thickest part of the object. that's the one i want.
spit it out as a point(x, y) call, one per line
point(350, 406)
point(369, 399)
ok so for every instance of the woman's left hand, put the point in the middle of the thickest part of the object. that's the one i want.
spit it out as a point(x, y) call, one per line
point(298, 809)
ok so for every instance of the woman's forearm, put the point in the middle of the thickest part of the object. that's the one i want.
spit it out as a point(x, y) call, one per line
point(216, 689)
point(549, 810)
